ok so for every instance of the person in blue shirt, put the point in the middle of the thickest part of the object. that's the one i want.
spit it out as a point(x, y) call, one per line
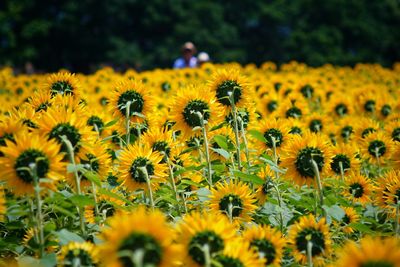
point(188, 60)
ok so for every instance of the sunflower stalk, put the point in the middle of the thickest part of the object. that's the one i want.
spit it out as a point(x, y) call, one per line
point(207, 256)
point(377, 159)
point(275, 155)
point(209, 167)
point(341, 171)
point(230, 212)
point(309, 253)
point(246, 146)
point(146, 175)
point(127, 122)
point(71, 155)
point(278, 194)
point(396, 228)
point(39, 215)
point(138, 257)
point(319, 184)
point(172, 180)
point(236, 128)
point(96, 207)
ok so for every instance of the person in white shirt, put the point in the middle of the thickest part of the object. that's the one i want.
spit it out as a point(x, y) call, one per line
point(188, 60)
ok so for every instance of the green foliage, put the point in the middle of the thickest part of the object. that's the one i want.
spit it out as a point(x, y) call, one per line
point(81, 35)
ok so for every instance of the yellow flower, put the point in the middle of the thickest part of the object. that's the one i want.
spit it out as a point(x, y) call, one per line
point(78, 254)
point(63, 83)
point(239, 253)
point(317, 233)
point(198, 230)
point(371, 251)
point(358, 188)
point(267, 241)
point(141, 236)
point(30, 151)
point(233, 199)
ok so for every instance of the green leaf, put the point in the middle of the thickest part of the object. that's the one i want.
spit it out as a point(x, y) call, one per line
point(361, 227)
point(257, 135)
point(113, 195)
point(221, 141)
point(111, 123)
point(335, 212)
point(65, 236)
point(222, 152)
point(82, 201)
point(93, 177)
point(251, 178)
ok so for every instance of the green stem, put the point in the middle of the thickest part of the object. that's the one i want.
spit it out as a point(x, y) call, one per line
point(39, 215)
point(146, 175)
point(309, 254)
point(246, 146)
point(96, 207)
point(209, 167)
point(137, 258)
point(172, 181)
point(397, 218)
point(235, 127)
point(319, 185)
point(341, 171)
point(278, 194)
point(71, 155)
point(207, 256)
point(127, 122)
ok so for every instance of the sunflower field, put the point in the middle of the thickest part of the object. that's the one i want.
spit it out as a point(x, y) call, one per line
point(223, 165)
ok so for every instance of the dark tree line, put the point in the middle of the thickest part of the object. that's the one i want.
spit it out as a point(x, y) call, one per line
point(81, 34)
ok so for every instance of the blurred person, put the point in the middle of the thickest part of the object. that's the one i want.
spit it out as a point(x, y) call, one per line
point(202, 58)
point(187, 60)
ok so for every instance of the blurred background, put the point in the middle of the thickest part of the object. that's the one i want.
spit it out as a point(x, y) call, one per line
point(82, 35)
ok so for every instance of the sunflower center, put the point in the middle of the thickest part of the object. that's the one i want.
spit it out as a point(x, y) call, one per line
point(369, 106)
point(377, 263)
point(377, 148)
point(70, 132)
point(6, 136)
point(341, 109)
point(265, 248)
point(267, 186)
point(296, 130)
point(96, 122)
point(357, 190)
point(226, 88)
point(272, 105)
point(396, 134)
point(92, 163)
point(397, 196)
point(210, 238)
point(294, 112)
point(229, 261)
point(340, 158)
point(346, 132)
point(135, 171)
point(104, 101)
point(386, 110)
point(43, 106)
point(29, 124)
point(166, 86)
point(231, 204)
point(136, 102)
point(304, 161)
point(31, 156)
point(163, 148)
point(367, 131)
point(190, 112)
point(345, 220)
point(148, 245)
point(62, 88)
point(315, 125)
point(307, 91)
point(311, 235)
point(273, 134)
point(77, 257)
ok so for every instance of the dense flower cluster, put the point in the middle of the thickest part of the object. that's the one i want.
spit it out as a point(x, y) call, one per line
point(225, 165)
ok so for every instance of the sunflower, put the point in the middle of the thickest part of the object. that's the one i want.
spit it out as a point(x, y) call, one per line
point(40, 100)
point(358, 188)
point(344, 159)
point(340, 105)
point(298, 154)
point(93, 157)
point(233, 199)
point(58, 122)
point(371, 251)
point(269, 104)
point(364, 127)
point(239, 253)
point(160, 141)
point(267, 241)
point(274, 131)
point(377, 147)
point(296, 126)
point(308, 230)
point(138, 238)
point(107, 207)
point(198, 230)
point(18, 158)
point(25, 115)
point(264, 191)
point(63, 83)
point(345, 129)
point(8, 128)
point(135, 157)
point(98, 120)
point(294, 106)
point(393, 129)
point(136, 95)
point(385, 185)
point(78, 254)
point(189, 105)
point(229, 83)
point(317, 122)
point(350, 216)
